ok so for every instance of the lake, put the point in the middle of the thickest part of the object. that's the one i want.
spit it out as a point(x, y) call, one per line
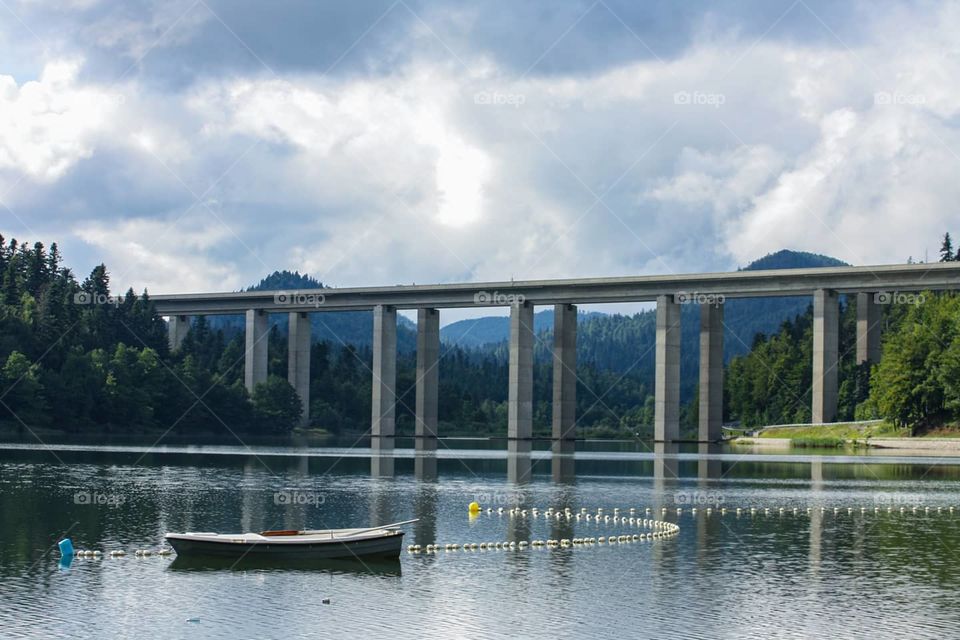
point(875, 556)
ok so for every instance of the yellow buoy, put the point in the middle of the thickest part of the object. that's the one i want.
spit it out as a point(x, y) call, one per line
point(474, 507)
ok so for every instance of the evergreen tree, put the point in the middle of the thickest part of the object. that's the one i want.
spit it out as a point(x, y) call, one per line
point(946, 249)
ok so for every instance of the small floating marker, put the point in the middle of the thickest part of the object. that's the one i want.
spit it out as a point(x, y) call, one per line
point(738, 510)
point(795, 511)
point(474, 507)
point(325, 601)
point(849, 510)
point(500, 510)
point(723, 511)
point(66, 548)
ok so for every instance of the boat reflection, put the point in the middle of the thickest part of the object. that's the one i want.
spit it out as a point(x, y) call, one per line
point(380, 567)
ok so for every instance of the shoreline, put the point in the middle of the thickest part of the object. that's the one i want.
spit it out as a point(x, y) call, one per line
point(950, 445)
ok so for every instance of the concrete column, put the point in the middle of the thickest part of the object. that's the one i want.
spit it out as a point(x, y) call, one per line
point(428, 372)
point(255, 353)
point(666, 423)
point(711, 372)
point(384, 411)
point(520, 403)
point(826, 328)
point(177, 327)
point(869, 315)
point(298, 361)
point(564, 371)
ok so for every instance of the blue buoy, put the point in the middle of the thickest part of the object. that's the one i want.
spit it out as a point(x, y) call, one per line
point(66, 548)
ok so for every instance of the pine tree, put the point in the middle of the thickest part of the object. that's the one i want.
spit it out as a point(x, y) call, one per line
point(946, 249)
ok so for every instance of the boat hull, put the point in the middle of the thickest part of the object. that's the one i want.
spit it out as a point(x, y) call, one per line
point(381, 547)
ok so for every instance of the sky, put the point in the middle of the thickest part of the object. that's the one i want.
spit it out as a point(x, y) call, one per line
point(199, 145)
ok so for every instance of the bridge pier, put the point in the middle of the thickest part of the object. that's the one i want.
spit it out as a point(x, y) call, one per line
point(428, 373)
point(869, 315)
point(666, 425)
point(564, 371)
point(255, 352)
point(177, 327)
point(711, 373)
point(298, 360)
point(384, 409)
point(520, 395)
point(826, 327)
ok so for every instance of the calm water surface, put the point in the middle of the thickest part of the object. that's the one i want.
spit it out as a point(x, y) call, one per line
point(826, 574)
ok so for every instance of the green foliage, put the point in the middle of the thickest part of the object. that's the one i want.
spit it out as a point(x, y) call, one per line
point(916, 382)
point(818, 443)
point(277, 405)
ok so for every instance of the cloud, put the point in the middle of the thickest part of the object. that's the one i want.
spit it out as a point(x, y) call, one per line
point(49, 124)
point(436, 150)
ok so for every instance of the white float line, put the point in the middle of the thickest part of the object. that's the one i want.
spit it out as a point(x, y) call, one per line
point(658, 529)
point(120, 553)
point(768, 511)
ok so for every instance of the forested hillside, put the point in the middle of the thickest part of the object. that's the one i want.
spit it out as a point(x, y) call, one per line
point(914, 385)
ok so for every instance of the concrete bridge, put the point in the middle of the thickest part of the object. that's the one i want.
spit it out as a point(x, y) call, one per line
point(873, 287)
